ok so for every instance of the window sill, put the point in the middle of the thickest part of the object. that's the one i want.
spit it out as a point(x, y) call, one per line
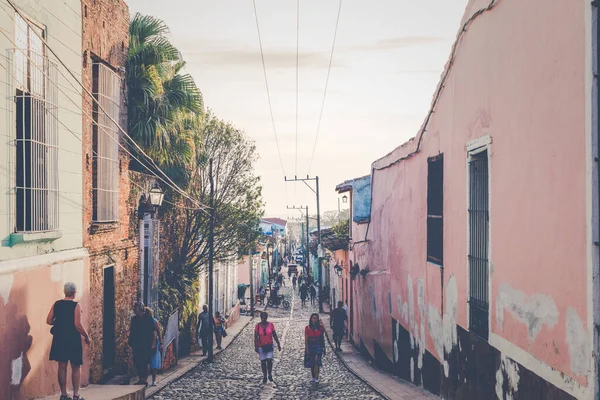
point(101, 227)
point(435, 263)
point(32, 237)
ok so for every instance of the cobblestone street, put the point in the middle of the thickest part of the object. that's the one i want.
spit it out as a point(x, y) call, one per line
point(236, 373)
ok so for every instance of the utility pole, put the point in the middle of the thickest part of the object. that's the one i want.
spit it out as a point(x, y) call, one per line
point(211, 249)
point(251, 283)
point(316, 192)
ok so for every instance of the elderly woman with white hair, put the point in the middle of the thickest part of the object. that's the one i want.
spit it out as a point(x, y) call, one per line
point(67, 328)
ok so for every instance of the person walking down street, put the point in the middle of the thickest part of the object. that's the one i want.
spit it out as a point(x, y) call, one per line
point(314, 346)
point(203, 329)
point(338, 320)
point(264, 334)
point(67, 330)
point(313, 294)
point(142, 338)
point(219, 329)
point(303, 294)
point(294, 280)
point(157, 346)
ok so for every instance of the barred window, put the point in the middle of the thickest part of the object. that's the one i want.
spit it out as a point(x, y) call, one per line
point(105, 181)
point(35, 111)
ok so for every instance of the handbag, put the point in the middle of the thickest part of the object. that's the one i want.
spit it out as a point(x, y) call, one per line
point(223, 332)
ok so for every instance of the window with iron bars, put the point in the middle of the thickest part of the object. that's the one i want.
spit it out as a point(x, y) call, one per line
point(34, 81)
point(435, 209)
point(478, 245)
point(105, 181)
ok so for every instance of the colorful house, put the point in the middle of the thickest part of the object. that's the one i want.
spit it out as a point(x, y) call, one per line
point(474, 274)
point(41, 188)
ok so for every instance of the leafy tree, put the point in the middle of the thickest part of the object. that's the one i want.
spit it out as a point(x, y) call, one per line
point(238, 208)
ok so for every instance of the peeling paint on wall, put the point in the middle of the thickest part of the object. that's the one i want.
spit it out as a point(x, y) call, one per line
point(443, 329)
point(411, 304)
point(511, 370)
point(534, 311)
point(17, 371)
point(6, 283)
point(421, 333)
point(578, 342)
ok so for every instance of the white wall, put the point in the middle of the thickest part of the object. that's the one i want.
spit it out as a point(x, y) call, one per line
point(62, 19)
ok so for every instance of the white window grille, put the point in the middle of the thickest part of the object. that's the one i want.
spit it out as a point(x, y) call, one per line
point(32, 78)
point(105, 183)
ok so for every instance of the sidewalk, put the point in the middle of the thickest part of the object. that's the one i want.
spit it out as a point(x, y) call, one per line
point(185, 364)
point(386, 384)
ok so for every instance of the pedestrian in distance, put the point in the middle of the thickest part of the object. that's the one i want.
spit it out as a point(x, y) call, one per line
point(219, 329)
point(294, 280)
point(157, 348)
point(142, 336)
point(338, 320)
point(67, 330)
point(203, 329)
point(303, 293)
point(264, 335)
point(314, 346)
point(313, 294)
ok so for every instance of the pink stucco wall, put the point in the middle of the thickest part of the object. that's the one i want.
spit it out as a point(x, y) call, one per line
point(24, 332)
point(519, 77)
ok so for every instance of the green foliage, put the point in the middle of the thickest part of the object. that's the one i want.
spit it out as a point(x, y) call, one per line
point(342, 228)
point(167, 119)
point(164, 104)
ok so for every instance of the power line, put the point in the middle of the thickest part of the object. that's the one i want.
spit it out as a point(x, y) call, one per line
point(337, 22)
point(297, 76)
point(83, 113)
point(262, 56)
point(172, 184)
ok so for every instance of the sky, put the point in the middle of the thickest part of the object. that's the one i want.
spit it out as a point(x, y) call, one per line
point(388, 58)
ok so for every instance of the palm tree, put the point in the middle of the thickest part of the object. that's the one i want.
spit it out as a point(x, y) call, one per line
point(164, 103)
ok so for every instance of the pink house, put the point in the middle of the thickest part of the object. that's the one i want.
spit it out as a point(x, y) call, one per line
point(479, 255)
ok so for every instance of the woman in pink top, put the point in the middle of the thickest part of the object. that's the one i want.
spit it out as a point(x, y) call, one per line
point(264, 334)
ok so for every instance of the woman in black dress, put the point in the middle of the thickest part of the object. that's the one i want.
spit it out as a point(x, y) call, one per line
point(67, 328)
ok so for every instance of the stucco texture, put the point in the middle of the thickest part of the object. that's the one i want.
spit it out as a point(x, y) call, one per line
point(518, 77)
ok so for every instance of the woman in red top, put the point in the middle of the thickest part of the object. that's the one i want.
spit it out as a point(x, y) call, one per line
point(264, 334)
point(314, 346)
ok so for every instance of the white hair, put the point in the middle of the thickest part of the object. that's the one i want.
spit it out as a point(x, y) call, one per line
point(70, 289)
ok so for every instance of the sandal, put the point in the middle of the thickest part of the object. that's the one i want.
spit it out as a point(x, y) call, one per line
point(65, 397)
point(78, 398)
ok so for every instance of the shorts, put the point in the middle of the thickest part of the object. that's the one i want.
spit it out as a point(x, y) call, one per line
point(264, 355)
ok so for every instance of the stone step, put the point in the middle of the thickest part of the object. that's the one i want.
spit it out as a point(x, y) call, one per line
point(109, 392)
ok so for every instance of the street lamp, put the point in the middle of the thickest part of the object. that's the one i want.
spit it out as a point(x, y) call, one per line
point(344, 199)
point(156, 196)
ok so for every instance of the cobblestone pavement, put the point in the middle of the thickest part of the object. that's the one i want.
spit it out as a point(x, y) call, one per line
point(236, 373)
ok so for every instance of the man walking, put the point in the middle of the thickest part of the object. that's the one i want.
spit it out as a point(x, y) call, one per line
point(203, 328)
point(313, 294)
point(338, 319)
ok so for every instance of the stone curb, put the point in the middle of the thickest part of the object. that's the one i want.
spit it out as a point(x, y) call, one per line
point(190, 367)
point(351, 370)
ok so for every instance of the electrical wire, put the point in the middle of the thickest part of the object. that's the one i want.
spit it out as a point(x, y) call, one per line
point(100, 108)
point(337, 22)
point(262, 56)
point(8, 36)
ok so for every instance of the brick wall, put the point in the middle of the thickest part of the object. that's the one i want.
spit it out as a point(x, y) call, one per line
point(105, 39)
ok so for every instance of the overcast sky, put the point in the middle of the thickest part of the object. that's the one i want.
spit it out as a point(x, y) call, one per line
point(388, 58)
